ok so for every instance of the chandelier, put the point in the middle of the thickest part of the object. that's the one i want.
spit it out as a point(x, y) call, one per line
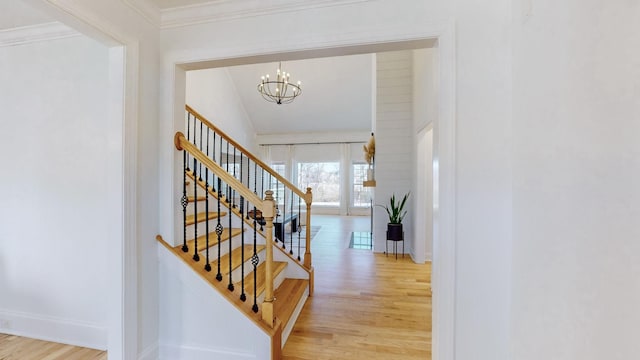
point(280, 90)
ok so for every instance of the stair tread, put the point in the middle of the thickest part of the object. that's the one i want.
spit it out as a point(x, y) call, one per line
point(201, 182)
point(287, 296)
point(213, 238)
point(191, 219)
point(193, 198)
point(278, 267)
point(236, 256)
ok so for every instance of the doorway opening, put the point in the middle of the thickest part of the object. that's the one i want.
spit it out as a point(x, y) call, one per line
point(443, 157)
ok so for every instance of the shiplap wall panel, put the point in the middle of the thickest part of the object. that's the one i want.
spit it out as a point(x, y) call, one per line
point(394, 131)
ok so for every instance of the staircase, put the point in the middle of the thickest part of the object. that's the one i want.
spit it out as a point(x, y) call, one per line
point(228, 229)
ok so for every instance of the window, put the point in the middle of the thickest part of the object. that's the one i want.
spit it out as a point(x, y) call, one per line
point(361, 194)
point(324, 178)
point(273, 184)
point(279, 168)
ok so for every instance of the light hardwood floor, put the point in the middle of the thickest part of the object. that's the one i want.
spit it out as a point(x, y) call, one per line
point(365, 305)
point(20, 348)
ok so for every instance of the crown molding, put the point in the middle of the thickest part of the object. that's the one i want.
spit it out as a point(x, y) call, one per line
point(35, 33)
point(222, 10)
point(147, 9)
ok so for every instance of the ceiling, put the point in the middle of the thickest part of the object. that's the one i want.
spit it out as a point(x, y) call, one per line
point(15, 14)
point(164, 4)
point(336, 95)
point(337, 91)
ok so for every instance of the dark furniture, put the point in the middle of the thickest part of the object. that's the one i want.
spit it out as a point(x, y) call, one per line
point(280, 222)
point(395, 233)
point(259, 219)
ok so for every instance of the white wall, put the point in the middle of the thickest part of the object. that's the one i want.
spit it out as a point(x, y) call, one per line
point(53, 219)
point(425, 87)
point(133, 163)
point(394, 160)
point(575, 90)
point(576, 199)
point(425, 111)
point(422, 247)
point(572, 68)
point(212, 93)
point(482, 113)
point(483, 179)
point(198, 323)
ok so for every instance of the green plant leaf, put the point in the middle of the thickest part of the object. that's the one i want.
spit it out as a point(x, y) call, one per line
point(395, 210)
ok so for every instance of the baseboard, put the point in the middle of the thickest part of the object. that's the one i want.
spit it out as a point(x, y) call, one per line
point(53, 329)
point(151, 352)
point(172, 352)
point(416, 260)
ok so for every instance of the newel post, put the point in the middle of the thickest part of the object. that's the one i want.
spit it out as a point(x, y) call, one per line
point(268, 212)
point(307, 254)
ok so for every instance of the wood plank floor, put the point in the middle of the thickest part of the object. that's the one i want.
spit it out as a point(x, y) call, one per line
point(365, 305)
point(21, 348)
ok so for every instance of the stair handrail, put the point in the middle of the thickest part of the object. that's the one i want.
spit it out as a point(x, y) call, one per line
point(304, 195)
point(182, 143)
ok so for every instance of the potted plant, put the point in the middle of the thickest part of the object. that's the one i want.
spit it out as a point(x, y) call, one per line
point(396, 213)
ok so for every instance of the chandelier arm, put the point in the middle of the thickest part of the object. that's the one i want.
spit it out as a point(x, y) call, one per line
point(269, 92)
point(266, 97)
